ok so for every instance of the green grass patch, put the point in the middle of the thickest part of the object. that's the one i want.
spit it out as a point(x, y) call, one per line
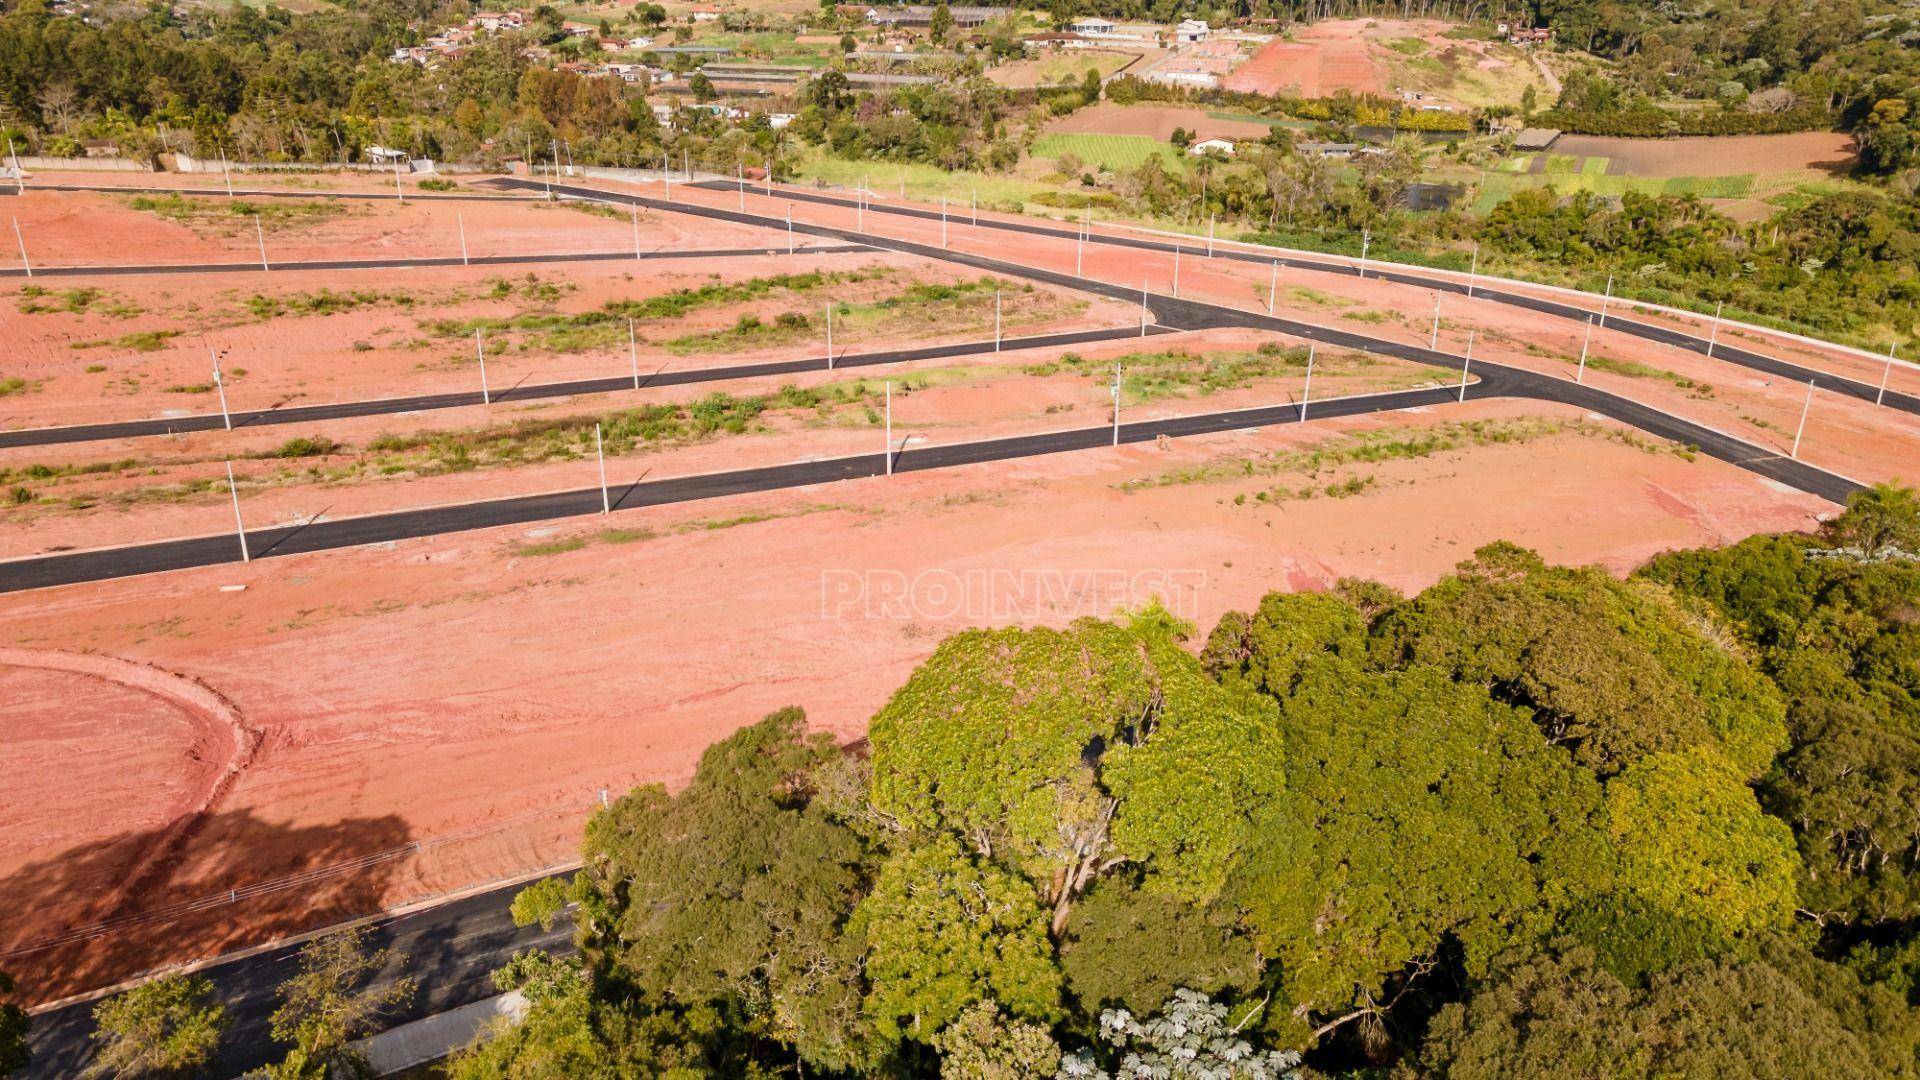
point(1117, 153)
point(1407, 46)
point(607, 325)
point(1149, 376)
point(272, 214)
point(35, 300)
point(1595, 166)
point(323, 302)
point(143, 341)
point(1633, 369)
point(12, 386)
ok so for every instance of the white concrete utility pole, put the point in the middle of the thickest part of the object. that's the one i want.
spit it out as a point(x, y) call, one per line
point(1209, 236)
point(996, 320)
point(829, 336)
point(239, 526)
point(1307, 390)
point(599, 451)
point(1366, 239)
point(633, 215)
point(1433, 337)
point(889, 427)
point(1714, 337)
point(480, 350)
point(1580, 373)
point(666, 176)
point(226, 172)
point(19, 236)
point(973, 205)
point(1473, 271)
point(260, 231)
point(1273, 284)
point(943, 221)
point(789, 228)
point(1802, 429)
point(19, 174)
point(220, 384)
point(1080, 250)
point(1143, 305)
point(398, 191)
point(1885, 375)
point(1466, 367)
point(460, 220)
point(633, 354)
point(1176, 268)
point(1116, 403)
point(1606, 301)
point(740, 177)
point(860, 208)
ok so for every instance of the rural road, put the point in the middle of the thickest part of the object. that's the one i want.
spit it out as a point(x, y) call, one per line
point(1494, 380)
point(452, 950)
point(244, 418)
point(256, 267)
point(1395, 273)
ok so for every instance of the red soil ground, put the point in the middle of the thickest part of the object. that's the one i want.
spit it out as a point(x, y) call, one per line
point(1154, 121)
point(519, 675)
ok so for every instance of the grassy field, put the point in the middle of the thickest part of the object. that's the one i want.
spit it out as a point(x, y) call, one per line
point(925, 182)
point(1115, 152)
point(1496, 187)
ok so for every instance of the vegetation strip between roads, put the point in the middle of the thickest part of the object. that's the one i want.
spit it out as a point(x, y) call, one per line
point(1495, 380)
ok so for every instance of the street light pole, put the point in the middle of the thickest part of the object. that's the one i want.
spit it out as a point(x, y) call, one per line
point(1802, 429)
point(1466, 367)
point(239, 525)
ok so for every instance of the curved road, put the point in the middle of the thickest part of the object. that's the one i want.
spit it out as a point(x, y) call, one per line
point(451, 948)
point(1494, 380)
point(1385, 272)
point(124, 429)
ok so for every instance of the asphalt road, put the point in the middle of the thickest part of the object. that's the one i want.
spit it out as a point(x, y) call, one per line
point(453, 947)
point(451, 950)
point(1608, 319)
point(301, 414)
point(152, 269)
point(1494, 380)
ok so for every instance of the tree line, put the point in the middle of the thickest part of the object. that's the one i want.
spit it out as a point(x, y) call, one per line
point(1531, 820)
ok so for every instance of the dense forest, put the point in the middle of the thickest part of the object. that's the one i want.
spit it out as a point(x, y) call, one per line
point(1531, 821)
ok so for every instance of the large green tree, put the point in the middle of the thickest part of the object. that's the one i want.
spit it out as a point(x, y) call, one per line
point(735, 891)
point(170, 1026)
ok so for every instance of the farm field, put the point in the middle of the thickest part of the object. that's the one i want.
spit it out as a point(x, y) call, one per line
point(1113, 152)
point(1061, 66)
point(1744, 174)
point(1389, 56)
point(1156, 122)
point(654, 631)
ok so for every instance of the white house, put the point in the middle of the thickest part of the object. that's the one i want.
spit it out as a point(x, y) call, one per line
point(386, 155)
point(1191, 32)
point(1225, 146)
point(497, 21)
point(1093, 27)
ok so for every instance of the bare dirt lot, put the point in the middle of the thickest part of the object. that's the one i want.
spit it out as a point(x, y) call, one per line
point(1388, 56)
point(1154, 121)
point(1811, 152)
point(417, 717)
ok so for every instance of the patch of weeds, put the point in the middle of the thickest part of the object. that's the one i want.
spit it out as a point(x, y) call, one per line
point(35, 300)
point(143, 341)
point(9, 387)
point(306, 446)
